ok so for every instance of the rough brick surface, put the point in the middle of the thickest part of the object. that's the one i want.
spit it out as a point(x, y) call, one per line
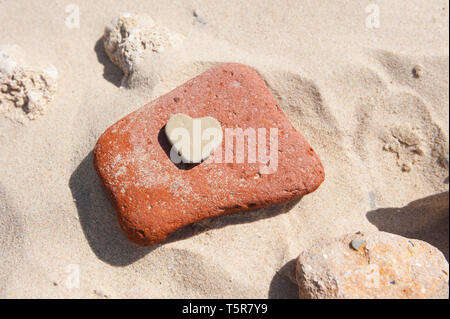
point(153, 197)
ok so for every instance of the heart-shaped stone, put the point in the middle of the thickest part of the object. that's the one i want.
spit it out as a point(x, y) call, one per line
point(192, 139)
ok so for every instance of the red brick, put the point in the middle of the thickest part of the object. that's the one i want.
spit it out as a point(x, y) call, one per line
point(153, 197)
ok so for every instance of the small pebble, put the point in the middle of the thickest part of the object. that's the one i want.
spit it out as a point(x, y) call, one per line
point(418, 71)
point(358, 243)
point(406, 168)
point(199, 17)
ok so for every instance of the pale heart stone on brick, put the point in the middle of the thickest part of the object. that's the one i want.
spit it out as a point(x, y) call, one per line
point(192, 140)
point(388, 266)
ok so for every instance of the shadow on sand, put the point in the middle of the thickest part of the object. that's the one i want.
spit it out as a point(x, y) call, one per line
point(111, 72)
point(99, 223)
point(283, 284)
point(98, 219)
point(425, 219)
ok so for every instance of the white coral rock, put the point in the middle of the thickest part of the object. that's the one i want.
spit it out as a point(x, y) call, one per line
point(129, 37)
point(24, 91)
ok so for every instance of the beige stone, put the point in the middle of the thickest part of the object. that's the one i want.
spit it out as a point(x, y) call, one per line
point(388, 266)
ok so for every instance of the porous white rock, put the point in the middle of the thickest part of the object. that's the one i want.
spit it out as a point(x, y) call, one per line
point(25, 91)
point(129, 37)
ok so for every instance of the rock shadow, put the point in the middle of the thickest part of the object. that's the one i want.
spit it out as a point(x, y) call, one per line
point(425, 219)
point(98, 218)
point(111, 72)
point(283, 284)
point(232, 219)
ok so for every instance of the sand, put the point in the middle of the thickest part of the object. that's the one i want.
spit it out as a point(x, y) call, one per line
point(373, 103)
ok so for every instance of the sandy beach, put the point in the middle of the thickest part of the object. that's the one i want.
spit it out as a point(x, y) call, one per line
point(370, 96)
